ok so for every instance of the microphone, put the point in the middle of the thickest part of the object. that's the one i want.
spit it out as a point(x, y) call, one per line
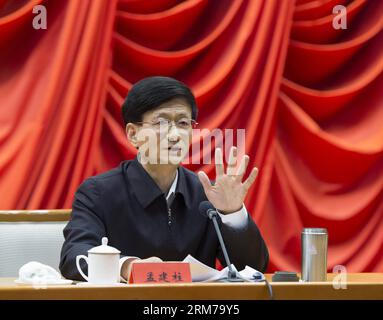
point(207, 209)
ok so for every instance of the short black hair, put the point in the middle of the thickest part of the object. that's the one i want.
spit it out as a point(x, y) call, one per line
point(149, 93)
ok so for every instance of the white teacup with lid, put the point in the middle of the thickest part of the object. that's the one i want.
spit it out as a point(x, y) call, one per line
point(103, 264)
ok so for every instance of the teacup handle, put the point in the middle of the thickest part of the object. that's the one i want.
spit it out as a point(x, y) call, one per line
point(78, 258)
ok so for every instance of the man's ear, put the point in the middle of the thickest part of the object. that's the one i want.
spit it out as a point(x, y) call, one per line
point(131, 133)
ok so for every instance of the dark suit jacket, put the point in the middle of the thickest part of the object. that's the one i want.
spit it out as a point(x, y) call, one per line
point(126, 205)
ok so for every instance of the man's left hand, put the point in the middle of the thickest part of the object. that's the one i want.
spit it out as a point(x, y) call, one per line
point(228, 193)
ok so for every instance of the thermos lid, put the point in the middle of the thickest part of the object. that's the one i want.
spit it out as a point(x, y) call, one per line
point(104, 248)
point(315, 230)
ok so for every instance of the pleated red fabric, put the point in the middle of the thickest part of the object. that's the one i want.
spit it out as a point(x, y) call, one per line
point(309, 96)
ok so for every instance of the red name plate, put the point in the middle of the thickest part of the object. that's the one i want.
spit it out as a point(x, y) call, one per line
point(160, 272)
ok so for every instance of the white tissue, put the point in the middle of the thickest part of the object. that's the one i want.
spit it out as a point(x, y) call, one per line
point(37, 273)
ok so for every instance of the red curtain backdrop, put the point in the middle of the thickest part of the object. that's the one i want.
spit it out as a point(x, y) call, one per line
point(309, 96)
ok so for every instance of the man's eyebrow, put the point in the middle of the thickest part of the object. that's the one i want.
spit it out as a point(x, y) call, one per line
point(167, 114)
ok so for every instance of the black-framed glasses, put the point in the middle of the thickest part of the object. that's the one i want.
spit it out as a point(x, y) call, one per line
point(165, 124)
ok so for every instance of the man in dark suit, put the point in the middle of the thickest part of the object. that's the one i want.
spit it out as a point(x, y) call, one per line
point(148, 206)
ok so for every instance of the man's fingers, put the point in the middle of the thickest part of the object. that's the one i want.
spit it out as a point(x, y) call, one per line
point(204, 181)
point(150, 259)
point(153, 259)
point(251, 178)
point(232, 162)
point(219, 170)
point(242, 167)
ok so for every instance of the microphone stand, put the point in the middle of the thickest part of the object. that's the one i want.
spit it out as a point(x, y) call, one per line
point(232, 274)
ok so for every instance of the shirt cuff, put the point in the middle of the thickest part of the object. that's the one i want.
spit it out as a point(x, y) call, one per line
point(121, 262)
point(237, 220)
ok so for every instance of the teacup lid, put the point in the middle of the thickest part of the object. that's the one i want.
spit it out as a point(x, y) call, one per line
point(104, 248)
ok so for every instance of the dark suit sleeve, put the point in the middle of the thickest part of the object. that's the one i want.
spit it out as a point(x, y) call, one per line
point(245, 246)
point(84, 231)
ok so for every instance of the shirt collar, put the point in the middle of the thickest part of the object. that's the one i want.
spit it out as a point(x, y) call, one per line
point(173, 186)
point(146, 190)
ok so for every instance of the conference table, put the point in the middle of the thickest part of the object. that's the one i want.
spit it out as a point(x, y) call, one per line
point(357, 286)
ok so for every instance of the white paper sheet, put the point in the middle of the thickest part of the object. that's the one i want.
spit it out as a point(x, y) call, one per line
point(200, 272)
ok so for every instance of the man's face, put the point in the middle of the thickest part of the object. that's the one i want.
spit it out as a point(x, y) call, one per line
point(164, 135)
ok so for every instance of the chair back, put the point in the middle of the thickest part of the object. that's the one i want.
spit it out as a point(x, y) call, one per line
point(30, 235)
